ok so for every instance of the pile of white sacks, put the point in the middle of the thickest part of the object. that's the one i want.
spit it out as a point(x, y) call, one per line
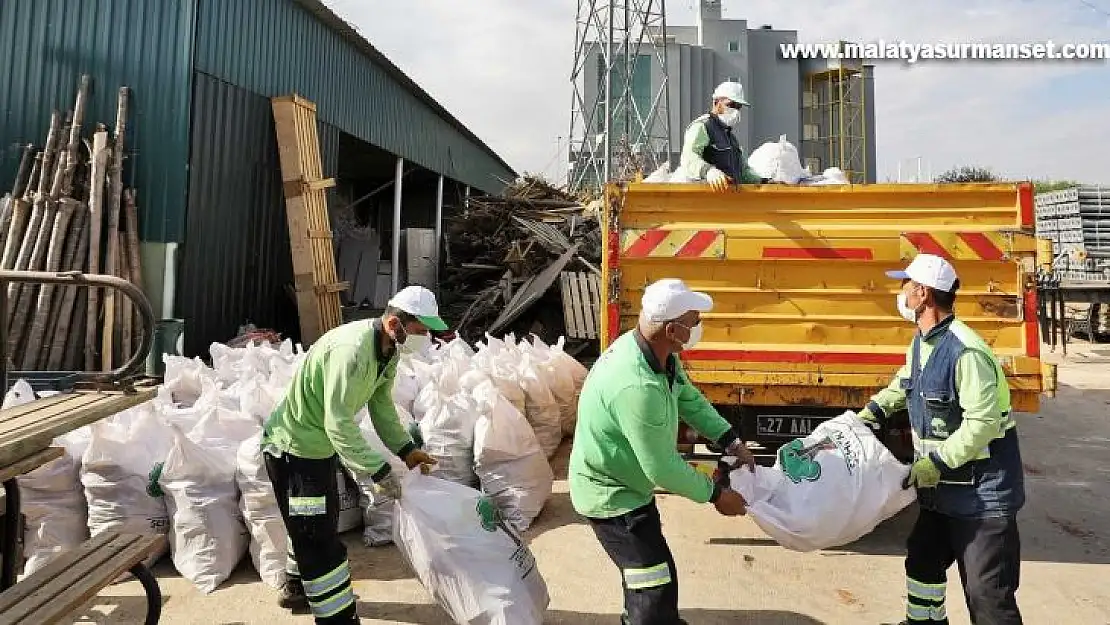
point(188, 464)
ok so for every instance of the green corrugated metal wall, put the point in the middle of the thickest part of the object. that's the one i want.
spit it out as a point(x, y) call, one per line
point(273, 47)
point(147, 45)
point(236, 271)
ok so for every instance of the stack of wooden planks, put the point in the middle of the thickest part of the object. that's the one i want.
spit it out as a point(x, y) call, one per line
point(315, 283)
point(69, 210)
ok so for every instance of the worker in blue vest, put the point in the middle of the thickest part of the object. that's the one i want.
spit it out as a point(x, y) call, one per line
point(710, 151)
point(968, 470)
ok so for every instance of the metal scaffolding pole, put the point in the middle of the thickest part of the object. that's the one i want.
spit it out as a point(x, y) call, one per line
point(439, 228)
point(395, 270)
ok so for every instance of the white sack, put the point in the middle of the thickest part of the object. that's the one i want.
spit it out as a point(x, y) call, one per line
point(564, 376)
point(53, 504)
point(540, 407)
point(448, 433)
point(259, 507)
point(350, 514)
point(510, 463)
point(221, 431)
point(778, 161)
point(184, 378)
point(499, 361)
point(831, 176)
point(405, 385)
point(19, 394)
point(256, 396)
point(207, 535)
point(661, 174)
point(827, 489)
point(119, 473)
point(471, 561)
point(377, 509)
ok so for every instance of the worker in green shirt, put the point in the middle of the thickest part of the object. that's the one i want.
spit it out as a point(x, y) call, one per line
point(710, 150)
point(625, 446)
point(968, 470)
point(313, 428)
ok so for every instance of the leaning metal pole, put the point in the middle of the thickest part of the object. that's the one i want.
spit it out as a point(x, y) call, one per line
point(620, 124)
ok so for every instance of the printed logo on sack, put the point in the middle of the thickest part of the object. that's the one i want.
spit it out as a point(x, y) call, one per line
point(797, 460)
point(152, 487)
point(488, 514)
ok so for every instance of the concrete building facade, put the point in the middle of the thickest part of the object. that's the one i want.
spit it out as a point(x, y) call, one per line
point(824, 107)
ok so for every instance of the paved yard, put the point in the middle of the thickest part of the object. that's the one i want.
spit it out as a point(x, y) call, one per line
point(731, 573)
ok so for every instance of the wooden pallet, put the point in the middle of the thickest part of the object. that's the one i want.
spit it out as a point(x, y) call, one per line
point(29, 429)
point(581, 304)
point(316, 286)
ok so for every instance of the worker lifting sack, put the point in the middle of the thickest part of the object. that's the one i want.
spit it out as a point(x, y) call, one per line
point(825, 490)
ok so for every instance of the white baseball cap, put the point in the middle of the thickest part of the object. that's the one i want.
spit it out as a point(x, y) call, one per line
point(420, 303)
point(929, 270)
point(670, 298)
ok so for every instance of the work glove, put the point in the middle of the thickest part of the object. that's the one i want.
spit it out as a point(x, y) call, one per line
point(744, 456)
point(717, 179)
point(870, 418)
point(419, 457)
point(924, 473)
point(390, 485)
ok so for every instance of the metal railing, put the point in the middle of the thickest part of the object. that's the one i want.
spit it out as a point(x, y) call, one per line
point(117, 377)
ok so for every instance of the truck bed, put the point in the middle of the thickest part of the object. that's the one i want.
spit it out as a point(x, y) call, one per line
point(805, 322)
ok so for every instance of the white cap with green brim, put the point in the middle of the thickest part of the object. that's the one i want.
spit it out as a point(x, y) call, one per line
point(420, 303)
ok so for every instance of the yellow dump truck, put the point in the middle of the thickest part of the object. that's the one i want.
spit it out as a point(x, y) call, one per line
point(805, 322)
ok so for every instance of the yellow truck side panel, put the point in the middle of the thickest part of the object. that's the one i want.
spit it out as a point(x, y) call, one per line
point(804, 314)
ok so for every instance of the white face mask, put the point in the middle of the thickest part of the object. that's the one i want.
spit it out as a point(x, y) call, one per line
point(731, 117)
point(904, 309)
point(695, 337)
point(415, 343)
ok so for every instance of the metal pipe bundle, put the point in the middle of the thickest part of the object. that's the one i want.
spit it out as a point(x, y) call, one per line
point(1077, 220)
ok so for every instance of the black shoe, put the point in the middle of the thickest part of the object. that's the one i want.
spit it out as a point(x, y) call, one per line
point(292, 596)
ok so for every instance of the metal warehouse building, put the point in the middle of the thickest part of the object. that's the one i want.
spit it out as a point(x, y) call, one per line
point(203, 153)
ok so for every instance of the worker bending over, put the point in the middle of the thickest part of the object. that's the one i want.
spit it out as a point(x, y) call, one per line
point(968, 470)
point(313, 428)
point(710, 150)
point(625, 447)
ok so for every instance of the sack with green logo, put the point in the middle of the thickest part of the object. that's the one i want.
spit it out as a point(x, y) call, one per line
point(120, 470)
point(825, 490)
point(466, 555)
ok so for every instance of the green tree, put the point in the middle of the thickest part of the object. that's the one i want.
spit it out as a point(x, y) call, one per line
point(967, 173)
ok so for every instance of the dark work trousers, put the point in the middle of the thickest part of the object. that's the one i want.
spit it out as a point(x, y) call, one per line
point(635, 543)
point(988, 554)
point(308, 496)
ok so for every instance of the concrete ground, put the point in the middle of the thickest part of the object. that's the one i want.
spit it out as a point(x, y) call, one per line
point(732, 573)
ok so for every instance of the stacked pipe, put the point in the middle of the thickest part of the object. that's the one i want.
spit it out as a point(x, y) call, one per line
point(54, 220)
point(1078, 222)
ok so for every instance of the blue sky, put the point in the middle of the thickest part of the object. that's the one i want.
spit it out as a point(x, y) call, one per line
point(1034, 119)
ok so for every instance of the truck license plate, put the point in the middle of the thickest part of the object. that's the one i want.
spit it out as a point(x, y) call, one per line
point(791, 426)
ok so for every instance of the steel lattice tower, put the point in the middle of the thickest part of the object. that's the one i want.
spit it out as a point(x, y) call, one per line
point(619, 123)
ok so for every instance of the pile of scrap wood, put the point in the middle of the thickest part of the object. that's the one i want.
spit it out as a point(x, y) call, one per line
point(504, 255)
point(68, 210)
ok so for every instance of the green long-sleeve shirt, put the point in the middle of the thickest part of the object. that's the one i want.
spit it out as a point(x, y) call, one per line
point(983, 392)
point(693, 165)
point(344, 371)
point(625, 440)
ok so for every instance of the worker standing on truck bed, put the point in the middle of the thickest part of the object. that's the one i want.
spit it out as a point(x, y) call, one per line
point(710, 150)
point(348, 368)
point(968, 470)
point(625, 447)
